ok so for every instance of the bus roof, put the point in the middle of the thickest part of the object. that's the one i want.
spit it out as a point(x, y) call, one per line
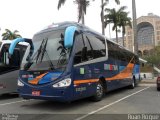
point(63, 25)
point(82, 27)
point(10, 41)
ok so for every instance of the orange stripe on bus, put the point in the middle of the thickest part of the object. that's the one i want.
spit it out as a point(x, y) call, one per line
point(85, 81)
point(126, 73)
point(36, 80)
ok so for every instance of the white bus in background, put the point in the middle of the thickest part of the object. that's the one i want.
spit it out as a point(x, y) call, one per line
point(9, 67)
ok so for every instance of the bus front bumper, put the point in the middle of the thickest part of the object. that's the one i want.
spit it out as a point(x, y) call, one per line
point(47, 93)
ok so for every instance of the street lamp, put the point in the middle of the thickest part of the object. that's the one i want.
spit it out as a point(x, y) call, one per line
point(135, 26)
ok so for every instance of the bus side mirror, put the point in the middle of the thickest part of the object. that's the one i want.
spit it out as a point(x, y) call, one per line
point(16, 41)
point(13, 45)
point(69, 36)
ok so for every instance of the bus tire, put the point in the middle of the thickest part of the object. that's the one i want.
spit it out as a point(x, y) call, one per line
point(132, 86)
point(158, 88)
point(99, 92)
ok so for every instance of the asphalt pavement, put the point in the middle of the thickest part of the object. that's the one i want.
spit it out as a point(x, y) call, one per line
point(116, 105)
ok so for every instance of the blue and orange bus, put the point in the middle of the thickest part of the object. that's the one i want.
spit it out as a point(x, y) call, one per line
point(69, 61)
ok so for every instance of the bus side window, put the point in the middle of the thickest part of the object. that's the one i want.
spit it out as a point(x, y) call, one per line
point(112, 52)
point(89, 49)
point(98, 46)
point(4, 56)
point(79, 49)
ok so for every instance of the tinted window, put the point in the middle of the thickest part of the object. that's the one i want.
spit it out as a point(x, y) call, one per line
point(112, 51)
point(7, 64)
point(117, 52)
point(79, 47)
point(97, 46)
point(90, 52)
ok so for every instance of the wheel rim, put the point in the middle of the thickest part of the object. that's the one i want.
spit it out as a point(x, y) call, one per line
point(133, 84)
point(99, 90)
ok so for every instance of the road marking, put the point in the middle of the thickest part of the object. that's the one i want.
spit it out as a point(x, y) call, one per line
point(106, 106)
point(13, 102)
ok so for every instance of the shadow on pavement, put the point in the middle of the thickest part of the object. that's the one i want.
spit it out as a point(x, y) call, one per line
point(9, 96)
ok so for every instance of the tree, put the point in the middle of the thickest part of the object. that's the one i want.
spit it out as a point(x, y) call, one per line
point(123, 22)
point(9, 35)
point(82, 8)
point(60, 3)
point(114, 16)
point(103, 4)
point(153, 56)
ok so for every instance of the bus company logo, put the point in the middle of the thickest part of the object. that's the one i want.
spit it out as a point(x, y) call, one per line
point(27, 76)
point(110, 67)
point(96, 70)
point(81, 89)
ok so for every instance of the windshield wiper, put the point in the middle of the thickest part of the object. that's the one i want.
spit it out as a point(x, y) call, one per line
point(42, 51)
point(30, 61)
point(50, 62)
point(40, 54)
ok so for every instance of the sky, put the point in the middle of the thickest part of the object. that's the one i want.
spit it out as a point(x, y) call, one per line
point(31, 16)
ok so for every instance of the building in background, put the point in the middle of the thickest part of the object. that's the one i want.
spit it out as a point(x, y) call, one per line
point(120, 41)
point(148, 34)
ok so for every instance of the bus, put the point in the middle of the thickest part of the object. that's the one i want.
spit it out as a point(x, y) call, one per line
point(9, 67)
point(69, 61)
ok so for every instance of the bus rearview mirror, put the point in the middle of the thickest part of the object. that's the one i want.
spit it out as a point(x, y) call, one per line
point(69, 36)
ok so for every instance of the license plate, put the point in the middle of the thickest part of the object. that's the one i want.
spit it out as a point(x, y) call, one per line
point(36, 93)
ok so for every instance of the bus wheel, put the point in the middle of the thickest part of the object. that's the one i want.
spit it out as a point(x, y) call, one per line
point(132, 86)
point(99, 92)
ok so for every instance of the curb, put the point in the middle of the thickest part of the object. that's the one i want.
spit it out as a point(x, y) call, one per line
point(150, 85)
point(147, 83)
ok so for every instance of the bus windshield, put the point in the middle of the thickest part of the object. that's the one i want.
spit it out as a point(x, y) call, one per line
point(49, 52)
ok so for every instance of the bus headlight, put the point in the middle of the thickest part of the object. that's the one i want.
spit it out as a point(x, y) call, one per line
point(63, 83)
point(20, 83)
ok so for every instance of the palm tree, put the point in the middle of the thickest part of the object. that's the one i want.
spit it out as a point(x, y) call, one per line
point(123, 22)
point(103, 4)
point(82, 6)
point(113, 16)
point(60, 3)
point(9, 35)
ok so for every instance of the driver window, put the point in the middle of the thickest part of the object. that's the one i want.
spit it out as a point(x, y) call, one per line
point(80, 50)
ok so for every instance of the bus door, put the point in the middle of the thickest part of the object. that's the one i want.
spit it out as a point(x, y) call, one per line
point(16, 58)
point(9, 64)
point(88, 62)
point(4, 60)
point(82, 68)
